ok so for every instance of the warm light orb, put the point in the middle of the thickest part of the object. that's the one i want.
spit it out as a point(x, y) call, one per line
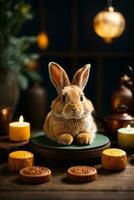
point(42, 40)
point(4, 111)
point(109, 24)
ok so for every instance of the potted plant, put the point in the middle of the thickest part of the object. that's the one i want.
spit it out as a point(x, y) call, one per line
point(14, 55)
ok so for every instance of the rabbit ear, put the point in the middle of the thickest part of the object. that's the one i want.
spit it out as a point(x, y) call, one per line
point(58, 76)
point(81, 76)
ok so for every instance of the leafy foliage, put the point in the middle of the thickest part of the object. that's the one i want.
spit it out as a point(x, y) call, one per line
point(14, 52)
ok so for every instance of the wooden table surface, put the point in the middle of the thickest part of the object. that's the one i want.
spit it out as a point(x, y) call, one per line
point(119, 185)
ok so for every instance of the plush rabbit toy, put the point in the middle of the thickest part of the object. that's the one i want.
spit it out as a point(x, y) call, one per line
point(70, 117)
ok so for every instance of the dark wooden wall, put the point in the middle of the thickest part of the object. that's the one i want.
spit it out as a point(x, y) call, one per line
point(73, 43)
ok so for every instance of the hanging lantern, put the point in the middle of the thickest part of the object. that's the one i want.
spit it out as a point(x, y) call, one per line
point(42, 40)
point(109, 24)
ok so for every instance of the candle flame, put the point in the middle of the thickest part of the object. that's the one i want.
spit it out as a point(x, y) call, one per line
point(128, 126)
point(21, 119)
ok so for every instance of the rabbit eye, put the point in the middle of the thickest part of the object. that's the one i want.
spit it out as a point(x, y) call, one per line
point(63, 98)
point(81, 98)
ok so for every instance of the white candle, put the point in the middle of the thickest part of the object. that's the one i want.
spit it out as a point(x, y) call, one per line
point(126, 137)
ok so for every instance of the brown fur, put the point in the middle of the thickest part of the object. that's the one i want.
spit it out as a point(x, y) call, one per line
point(70, 117)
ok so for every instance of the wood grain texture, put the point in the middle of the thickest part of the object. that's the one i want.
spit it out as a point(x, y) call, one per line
point(80, 195)
point(117, 185)
point(7, 146)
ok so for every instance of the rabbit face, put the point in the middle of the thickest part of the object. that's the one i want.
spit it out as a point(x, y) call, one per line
point(71, 104)
point(73, 98)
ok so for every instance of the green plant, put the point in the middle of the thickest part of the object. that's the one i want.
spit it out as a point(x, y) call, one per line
point(14, 50)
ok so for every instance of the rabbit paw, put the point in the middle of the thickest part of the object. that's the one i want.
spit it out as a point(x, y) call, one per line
point(84, 138)
point(65, 139)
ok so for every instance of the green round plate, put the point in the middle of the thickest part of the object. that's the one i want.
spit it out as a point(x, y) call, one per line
point(57, 155)
point(40, 140)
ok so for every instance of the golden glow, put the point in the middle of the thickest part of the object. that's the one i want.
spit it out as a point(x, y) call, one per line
point(109, 24)
point(42, 40)
point(4, 111)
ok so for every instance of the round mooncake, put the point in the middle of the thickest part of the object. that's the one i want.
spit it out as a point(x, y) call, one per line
point(82, 173)
point(114, 159)
point(20, 159)
point(35, 174)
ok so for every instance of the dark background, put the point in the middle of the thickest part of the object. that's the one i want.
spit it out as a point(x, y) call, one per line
point(73, 43)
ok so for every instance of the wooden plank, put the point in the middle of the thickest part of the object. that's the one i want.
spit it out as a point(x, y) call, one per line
point(79, 195)
point(106, 181)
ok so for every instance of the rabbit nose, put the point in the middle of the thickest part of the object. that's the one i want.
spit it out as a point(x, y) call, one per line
point(73, 109)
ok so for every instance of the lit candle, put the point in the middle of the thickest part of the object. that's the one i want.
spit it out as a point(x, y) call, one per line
point(126, 137)
point(4, 113)
point(4, 120)
point(19, 131)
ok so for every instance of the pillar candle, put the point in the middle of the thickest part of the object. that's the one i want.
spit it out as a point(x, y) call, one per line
point(126, 137)
point(19, 131)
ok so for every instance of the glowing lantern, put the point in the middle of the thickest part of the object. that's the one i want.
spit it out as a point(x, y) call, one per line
point(109, 24)
point(42, 40)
